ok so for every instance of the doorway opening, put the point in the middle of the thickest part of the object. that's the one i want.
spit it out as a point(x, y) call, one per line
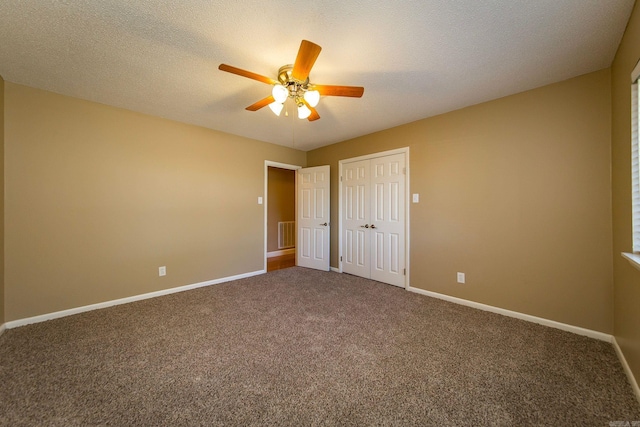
point(280, 215)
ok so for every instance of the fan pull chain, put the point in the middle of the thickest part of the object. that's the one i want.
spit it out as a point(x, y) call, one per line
point(293, 131)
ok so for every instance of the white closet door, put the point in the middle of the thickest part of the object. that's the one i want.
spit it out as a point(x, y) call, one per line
point(355, 225)
point(313, 218)
point(373, 218)
point(387, 219)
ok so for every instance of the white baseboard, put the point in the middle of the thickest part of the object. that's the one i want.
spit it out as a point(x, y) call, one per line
point(69, 312)
point(539, 320)
point(546, 322)
point(627, 369)
point(281, 252)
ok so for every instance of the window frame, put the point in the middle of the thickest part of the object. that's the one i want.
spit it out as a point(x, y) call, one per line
point(635, 159)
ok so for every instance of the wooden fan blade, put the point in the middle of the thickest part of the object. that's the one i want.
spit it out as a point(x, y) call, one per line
point(329, 90)
point(307, 55)
point(245, 73)
point(314, 113)
point(258, 105)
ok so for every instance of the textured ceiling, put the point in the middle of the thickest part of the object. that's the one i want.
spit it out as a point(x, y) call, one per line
point(415, 58)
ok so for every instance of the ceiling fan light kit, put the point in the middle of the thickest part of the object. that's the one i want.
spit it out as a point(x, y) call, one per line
point(293, 83)
point(289, 87)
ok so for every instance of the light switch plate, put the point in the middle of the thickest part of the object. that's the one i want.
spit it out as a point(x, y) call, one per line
point(416, 198)
point(259, 200)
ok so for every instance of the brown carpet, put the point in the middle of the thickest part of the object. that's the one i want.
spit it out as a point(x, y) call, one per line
point(302, 347)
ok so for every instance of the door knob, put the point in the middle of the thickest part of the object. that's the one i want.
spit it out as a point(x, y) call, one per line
point(373, 226)
point(364, 226)
point(324, 225)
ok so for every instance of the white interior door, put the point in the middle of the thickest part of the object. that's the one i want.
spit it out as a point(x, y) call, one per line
point(355, 220)
point(313, 218)
point(373, 218)
point(387, 219)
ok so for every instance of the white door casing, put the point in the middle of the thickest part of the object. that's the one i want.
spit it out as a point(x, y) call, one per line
point(312, 249)
point(374, 217)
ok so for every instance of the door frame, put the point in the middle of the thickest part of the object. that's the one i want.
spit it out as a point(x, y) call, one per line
point(407, 201)
point(267, 165)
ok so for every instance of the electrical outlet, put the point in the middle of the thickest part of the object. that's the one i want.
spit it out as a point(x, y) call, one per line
point(162, 271)
point(460, 277)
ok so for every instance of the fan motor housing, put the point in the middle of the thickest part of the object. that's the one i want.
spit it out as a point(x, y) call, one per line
point(294, 86)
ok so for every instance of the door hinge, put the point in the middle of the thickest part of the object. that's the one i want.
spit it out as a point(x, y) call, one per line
point(340, 178)
point(405, 272)
point(340, 259)
point(404, 171)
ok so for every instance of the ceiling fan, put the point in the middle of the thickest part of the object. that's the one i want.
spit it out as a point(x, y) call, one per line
point(293, 82)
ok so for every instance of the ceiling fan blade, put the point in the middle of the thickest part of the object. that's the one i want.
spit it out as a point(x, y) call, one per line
point(245, 73)
point(307, 55)
point(258, 105)
point(330, 90)
point(314, 113)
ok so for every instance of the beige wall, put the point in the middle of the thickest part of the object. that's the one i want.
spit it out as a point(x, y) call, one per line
point(97, 198)
point(281, 202)
point(516, 194)
point(626, 278)
point(2, 201)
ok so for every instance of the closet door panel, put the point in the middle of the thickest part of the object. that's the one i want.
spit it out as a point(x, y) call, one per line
point(356, 236)
point(387, 222)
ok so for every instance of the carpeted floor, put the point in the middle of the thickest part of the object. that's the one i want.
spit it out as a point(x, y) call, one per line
point(302, 347)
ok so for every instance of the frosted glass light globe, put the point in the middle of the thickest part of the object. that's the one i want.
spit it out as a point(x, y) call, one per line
point(312, 97)
point(276, 107)
point(303, 112)
point(279, 93)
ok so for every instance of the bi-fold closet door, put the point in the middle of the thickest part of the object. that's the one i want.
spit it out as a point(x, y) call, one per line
point(373, 218)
